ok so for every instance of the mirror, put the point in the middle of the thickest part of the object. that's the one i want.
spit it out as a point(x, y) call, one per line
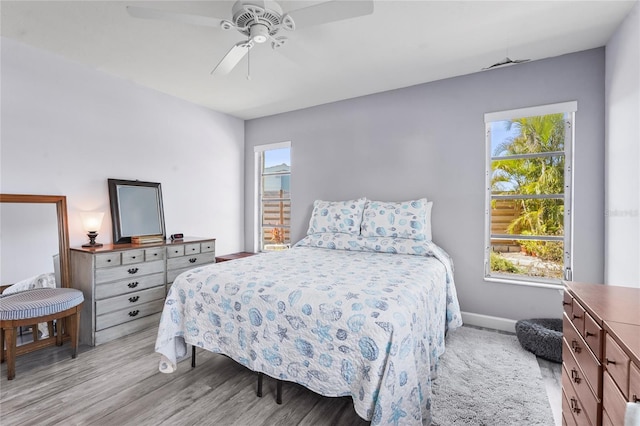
point(35, 236)
point(136, 209)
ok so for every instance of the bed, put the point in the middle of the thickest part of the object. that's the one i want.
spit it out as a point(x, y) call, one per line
point(340, 313)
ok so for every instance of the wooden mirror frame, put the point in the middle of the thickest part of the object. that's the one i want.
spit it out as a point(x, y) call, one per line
point(63, 227)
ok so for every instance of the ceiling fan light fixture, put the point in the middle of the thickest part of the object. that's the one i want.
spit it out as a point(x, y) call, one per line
point(259, 33)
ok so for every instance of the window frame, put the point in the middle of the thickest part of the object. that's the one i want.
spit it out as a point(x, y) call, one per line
point(259, 151)
point(568, 109)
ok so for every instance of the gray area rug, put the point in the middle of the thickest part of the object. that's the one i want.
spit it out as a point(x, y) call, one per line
point(486, 378)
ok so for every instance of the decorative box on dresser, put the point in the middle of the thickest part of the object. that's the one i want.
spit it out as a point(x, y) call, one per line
point(601, 353)
point(125, 285)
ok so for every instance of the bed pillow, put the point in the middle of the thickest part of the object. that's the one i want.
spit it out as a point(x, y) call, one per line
point(405, 219)
point(427, 228)
point(336, 216)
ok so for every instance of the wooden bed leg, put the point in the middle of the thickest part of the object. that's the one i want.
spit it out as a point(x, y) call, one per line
point(193, 356)
point(259, 391)
point(279, 392)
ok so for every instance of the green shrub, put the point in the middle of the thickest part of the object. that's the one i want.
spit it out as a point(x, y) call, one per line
point(499, 263)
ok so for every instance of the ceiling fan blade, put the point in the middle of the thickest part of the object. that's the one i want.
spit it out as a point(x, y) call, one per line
point(330, 11)
point(232, 58)
point(165, 15)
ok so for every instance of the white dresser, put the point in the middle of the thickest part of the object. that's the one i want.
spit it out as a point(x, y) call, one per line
point(124, 285)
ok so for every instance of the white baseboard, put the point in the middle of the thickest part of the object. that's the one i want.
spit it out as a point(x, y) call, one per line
point(495, 323)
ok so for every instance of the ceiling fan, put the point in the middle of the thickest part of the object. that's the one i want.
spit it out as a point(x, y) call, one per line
point(506, 61)
point(259, 21)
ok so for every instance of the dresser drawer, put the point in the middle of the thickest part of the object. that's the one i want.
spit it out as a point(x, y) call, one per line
point(190, 249)
point(107, 260)
point(118, 288)
point(577, 375)
point(606, 421)
point(580, 386)
point(617, 364)
point(577, 317)
point(125, 315)
point(129, 301)
point(175, 251)
point(613, 402)
point(126, 328)
point(634, 383)
point(567, 416)
point(208, 247)
point(192, 260)
point(128, 271)
point(576, 409)
point(593, 335)
point(575, 344)
point(154, 254)
point(132, 256)
point(567, 302)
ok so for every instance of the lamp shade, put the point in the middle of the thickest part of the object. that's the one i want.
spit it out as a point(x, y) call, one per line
point(91, 221)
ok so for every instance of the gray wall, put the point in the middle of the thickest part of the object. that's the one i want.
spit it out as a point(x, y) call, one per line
point(428, 140)
point(622, 154)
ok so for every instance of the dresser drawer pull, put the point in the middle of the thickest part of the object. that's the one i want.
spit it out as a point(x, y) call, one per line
point(132, 270)
point(565, 303)
point(108, 260)
point(634, 398)
point(587, 334)
point(609, 361)
point(133, 284)
point(134, 313)
point(576, 316)
point(574, 376)
point(134, 299)
point(574, 406)
point(576, 346)
point(193, 260)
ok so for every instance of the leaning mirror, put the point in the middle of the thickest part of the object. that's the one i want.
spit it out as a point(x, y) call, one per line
point(136, 209)
point(35, 238)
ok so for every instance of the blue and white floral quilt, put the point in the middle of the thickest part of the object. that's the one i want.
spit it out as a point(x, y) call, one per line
point(338, 314)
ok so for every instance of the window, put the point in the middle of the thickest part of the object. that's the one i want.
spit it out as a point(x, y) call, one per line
point(273, 173)
point(529, 194)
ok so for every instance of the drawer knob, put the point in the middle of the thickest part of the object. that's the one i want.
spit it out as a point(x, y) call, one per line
point(132, 270)
point(108, 260)
point(587, 334)
point(565, 303)
point(574, 376)
point(574, 406)
point(610, 361)
point(576, 346)
point(134, 299)
point(193, 260)
point(576, 316)
point(134, 313)
point(133, 284)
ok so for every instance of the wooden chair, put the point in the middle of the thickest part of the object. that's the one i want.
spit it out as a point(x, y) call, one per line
point(28, 308)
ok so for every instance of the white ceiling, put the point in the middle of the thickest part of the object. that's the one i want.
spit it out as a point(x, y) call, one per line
point(401, 44)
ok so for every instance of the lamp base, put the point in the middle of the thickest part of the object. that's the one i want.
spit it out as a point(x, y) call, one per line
point(94, 245)
point(92, 240)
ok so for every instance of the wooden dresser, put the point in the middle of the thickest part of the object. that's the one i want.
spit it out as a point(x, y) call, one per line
point(601, 353)
point(125, 285)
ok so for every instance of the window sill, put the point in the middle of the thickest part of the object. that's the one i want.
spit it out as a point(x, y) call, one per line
point(539, 284)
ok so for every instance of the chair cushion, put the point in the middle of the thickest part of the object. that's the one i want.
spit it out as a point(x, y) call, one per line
point(38, 302)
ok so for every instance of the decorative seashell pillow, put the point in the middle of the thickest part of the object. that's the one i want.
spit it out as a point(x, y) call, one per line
point(405, 219)
point(336, 216)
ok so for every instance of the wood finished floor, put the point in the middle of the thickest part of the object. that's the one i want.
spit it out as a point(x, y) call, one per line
point(118, 383)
